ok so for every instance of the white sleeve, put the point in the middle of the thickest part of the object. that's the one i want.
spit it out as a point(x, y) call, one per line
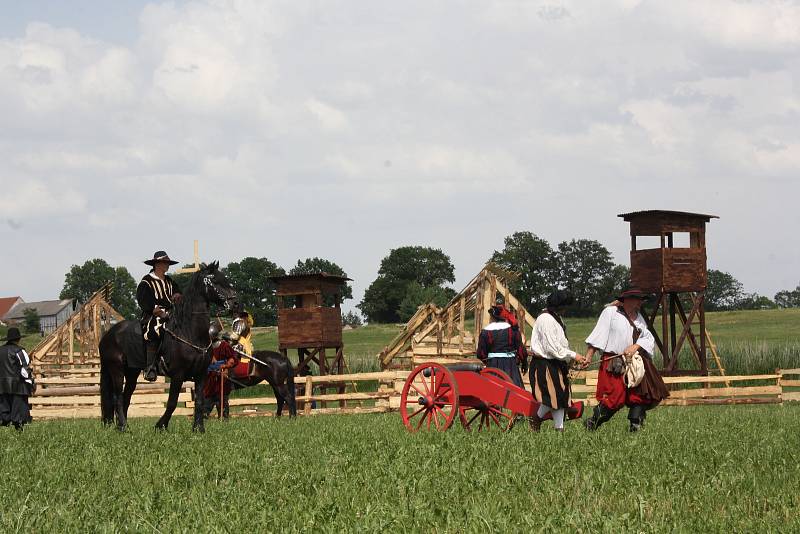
point(602, 330)
point(554, 342)
point(646, 339)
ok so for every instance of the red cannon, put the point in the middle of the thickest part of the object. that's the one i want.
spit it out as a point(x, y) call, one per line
point(481, 397)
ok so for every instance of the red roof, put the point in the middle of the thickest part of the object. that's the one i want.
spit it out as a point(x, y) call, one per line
point(6, 303)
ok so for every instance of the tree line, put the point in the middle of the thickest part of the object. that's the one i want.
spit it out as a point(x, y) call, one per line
point(249, 276)
point(410, 276)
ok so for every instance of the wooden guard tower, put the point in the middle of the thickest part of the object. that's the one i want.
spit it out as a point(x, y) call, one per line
point(310, 320)
point(670, 271)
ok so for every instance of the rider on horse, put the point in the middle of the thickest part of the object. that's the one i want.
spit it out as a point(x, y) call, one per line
point(156, 295)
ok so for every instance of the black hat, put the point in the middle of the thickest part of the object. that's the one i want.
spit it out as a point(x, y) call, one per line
point(159, 257)
point(558, 298)
point(13, 334)
point(494, 311)
point(633, 293)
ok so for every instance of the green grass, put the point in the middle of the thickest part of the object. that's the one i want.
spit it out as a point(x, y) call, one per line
point(703, 469)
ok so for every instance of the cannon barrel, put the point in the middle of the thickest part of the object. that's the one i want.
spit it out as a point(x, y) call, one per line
point(475, 367)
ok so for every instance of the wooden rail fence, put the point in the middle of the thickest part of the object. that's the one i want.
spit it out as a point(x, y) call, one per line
point(73, 391)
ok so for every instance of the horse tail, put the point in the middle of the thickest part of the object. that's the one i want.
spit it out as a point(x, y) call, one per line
point(290, 387)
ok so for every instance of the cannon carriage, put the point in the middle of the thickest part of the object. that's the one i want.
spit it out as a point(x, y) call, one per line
point(482, 398)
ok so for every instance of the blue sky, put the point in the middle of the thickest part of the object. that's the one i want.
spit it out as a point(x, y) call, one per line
point(343, 129)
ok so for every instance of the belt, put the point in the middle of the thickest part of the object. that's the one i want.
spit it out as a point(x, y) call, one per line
point(501, 355)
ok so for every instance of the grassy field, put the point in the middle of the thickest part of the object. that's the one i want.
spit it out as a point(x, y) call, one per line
point(709, 469)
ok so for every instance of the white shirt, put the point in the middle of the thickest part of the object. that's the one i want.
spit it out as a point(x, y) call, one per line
point(613, 333)
point(548, 339)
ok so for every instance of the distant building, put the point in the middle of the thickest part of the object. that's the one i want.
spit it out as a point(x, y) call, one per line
point(52, 313)
point(6, 303)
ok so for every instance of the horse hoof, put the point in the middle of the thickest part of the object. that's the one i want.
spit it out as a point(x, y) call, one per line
point(199, 429)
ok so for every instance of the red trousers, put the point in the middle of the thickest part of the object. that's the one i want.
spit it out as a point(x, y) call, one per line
point(611, 390)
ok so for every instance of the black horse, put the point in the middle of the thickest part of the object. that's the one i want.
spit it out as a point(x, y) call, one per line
point(276, 370)
point(186, 341)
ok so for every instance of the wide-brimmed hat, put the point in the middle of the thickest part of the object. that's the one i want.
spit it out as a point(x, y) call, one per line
point(633, 293)
point(13, 334)
point(160, 256)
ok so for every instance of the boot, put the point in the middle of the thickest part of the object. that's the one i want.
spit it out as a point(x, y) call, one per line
point(150, 372)
point(636, 417)
point(600, 415)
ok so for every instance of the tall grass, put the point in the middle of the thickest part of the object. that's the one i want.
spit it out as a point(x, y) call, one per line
point(705, 469)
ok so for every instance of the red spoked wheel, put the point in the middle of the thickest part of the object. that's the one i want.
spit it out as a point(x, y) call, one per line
point(499, 373)
point(429, 399)
point(488, 417)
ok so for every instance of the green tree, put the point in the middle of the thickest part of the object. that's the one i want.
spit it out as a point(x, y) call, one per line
point(82, 281)
point(182, 279)
point(788, 299)
point(583, 266)
point(724, 292)
point(754, 301)
point(352, 319)
point(617, 280)
point(256, 292)
point(428, 267)
point(417, 295)
point(533, 258)
point(319, 265)
point(32, 321)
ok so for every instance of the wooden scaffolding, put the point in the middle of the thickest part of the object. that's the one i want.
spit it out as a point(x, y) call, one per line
point(450, 333)
point(77, 339)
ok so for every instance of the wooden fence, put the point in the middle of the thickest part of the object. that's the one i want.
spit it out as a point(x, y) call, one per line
point(73, 391)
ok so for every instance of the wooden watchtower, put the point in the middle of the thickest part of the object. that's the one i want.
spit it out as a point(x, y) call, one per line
point(676, 272)
point(310, 320)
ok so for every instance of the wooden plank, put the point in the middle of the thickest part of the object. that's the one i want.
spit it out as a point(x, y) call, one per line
point(94, 412)
point(790, 383)
point(351, 377)
point(721, 402)
point(793, 396)
point(725, 392)
point(144, 398)
point(789, 371)
point(94, 390)
point(716, 379)
point(48, 381)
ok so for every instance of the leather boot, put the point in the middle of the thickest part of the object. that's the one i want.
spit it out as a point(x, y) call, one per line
point(636, 417)
point(150, 372)
point(600, 415)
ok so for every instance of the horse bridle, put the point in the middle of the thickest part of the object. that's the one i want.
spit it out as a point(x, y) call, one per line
point(208, 281)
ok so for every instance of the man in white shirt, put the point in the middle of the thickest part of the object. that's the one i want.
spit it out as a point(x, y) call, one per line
point(550, 361)
point(621, 331)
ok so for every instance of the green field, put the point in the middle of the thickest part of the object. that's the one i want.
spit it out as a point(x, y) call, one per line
point(709, 469)
point(695, 469)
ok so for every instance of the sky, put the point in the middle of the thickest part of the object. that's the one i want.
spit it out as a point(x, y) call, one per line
point(343, 129)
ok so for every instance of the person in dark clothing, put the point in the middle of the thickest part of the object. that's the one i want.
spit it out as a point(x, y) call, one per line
point(156, 294)
point(223, 359)
point(500, 345)
point(16, 382)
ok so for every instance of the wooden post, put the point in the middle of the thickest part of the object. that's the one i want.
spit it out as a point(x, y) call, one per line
point(665, 317)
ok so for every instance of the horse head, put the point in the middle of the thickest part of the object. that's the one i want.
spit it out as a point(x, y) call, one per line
point(217, 288)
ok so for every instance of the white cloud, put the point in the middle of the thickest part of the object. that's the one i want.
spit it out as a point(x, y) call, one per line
point(389, 121)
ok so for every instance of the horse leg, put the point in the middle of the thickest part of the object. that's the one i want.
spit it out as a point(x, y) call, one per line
point(198, 424)
point(174, 390)
point(106, 395)
point(131, 375)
